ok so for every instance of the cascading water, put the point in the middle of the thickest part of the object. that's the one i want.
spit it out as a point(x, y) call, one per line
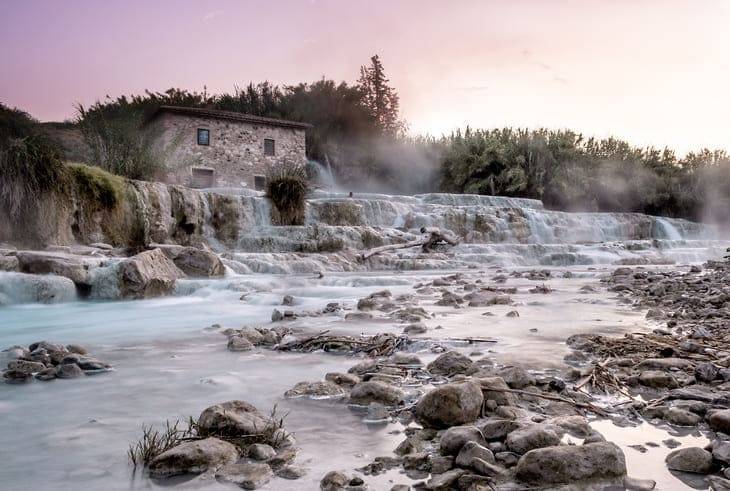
point(668, 229)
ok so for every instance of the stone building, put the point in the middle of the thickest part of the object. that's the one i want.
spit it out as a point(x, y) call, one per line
point(209, 148)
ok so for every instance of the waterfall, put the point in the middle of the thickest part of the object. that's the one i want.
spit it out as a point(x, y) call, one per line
point(324, 175)
point(668, 230)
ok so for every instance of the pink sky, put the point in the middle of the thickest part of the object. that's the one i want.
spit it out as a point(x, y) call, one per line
point(651, 71)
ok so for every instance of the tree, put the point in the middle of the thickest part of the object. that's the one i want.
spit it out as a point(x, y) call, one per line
point(381, 99)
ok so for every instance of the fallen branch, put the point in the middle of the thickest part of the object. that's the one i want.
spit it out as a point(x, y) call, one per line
point(583, 405)
point(427, 244)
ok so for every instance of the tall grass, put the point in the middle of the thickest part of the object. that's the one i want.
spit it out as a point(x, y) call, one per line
point(287, 186)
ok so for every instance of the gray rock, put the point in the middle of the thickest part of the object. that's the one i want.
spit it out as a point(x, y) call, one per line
point(277, 316)
point(473, 450)
point(410, 445)
point(664, 363)
point(633, 484)
point(41, 262)
point(454, 438)
point(193, 457)
point(16, 376)
point(658, 380)
point(372, 391)
point(486, 468)
point(531, 437)
point(497, 429)
point(247, 475)
point(445, 481)
point(69, 370)
point(148, 274)
point(415, 328)
point(516, 377)
point(239, 343)
point(721, 451)
point(334, 481)
point(27, 367)
point(46, 375)
point(681, 417)
point(287, 300)
point(450, 405)
point(567, 464)
point(706, 372)
point(493, 388)
point(78, 349)
point(315, 390)
point(197, 262)
point(344, 379)
point(231, 418)
point(720, 421)
point(693, 459)
point(261, 451)
point(452, 363)
point(291, 472)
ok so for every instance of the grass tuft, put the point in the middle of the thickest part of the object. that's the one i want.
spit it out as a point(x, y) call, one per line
point(287, 186)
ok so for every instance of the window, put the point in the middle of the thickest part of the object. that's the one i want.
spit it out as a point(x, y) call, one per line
point(259, 183)
point(202, 177)
point(269, 148)
point(203, 136)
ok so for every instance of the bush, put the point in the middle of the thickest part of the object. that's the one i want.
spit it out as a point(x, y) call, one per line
point(121, 142)
point(287, 187)
point(97, 186)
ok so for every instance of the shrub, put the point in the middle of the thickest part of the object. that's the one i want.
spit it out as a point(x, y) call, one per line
point(97, 186)
point(121, 142)
point(287, 187)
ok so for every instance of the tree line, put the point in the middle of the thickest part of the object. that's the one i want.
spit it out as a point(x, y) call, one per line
point(357, 129)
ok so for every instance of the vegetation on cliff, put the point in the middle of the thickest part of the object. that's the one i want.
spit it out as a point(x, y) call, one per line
point(287, 186)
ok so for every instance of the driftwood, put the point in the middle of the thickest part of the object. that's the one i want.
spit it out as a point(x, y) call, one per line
point(378, 345)
point(435, 237)
point(583, 405)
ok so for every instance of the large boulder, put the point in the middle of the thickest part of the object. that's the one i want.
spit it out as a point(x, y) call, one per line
point(39, 262)
point(450, 405)
point(194, 262)
point(451, 363)
point(148, 274)
point(232, 418)
point(570, 463)
point(691, 459)
point(364, 393)
point(193, 457)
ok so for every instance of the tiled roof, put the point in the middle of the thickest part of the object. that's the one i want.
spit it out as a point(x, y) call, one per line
point(231, 116)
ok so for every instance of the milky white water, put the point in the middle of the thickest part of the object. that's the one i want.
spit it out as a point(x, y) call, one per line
point(73, 434)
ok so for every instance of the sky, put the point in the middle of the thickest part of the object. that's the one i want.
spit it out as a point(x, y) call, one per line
point(654, 72)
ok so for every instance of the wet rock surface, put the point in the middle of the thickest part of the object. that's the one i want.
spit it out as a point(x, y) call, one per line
point(45, 361)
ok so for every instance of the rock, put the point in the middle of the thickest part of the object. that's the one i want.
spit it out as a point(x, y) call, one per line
point(315, 390)
point(39, 262)
point(287, 300)
point(16, 376)
point(193, 457)
point(454, 438)
point(664, 364)
point(277, 316)
point(451, 363)
point(484, 300)
point(291, 472)
point(658, 380)
point(9, 263)
point(721, 451)
point(473, 450)
point(493, 389)
point(27, 367)
point(247, 475)
point(577, 426)
point(252, 335)
point(75, 348)
point(516, 377)
point(531, 437)
point(633, 484)
point(497, 429)
point(261, 451)
point(567, 464)
point(439, 464)
point(706, 372)
point(358, 316)
point(445, 481)
point(148, 274)
point(720, 421)
point(344, 379)
point(410, 445)
point(416, 328)
point(512, 313)
point(239, 343)
point(681, 417)
point(486, 468)
point(46, 375)
point(197, 262)
point(366, 392)
point(693, 459)
point(401, 358)
point(231, 418)
point(718, 483)
point(69, 370)
point(334, 481)
point(450, 405)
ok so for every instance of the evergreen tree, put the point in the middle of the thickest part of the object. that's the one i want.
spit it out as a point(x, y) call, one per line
point(380, 98)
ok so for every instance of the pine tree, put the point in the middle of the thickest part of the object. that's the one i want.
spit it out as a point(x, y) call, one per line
point(380, 98)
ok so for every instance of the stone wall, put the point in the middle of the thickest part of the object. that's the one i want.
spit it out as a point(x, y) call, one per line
point(235, 152)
